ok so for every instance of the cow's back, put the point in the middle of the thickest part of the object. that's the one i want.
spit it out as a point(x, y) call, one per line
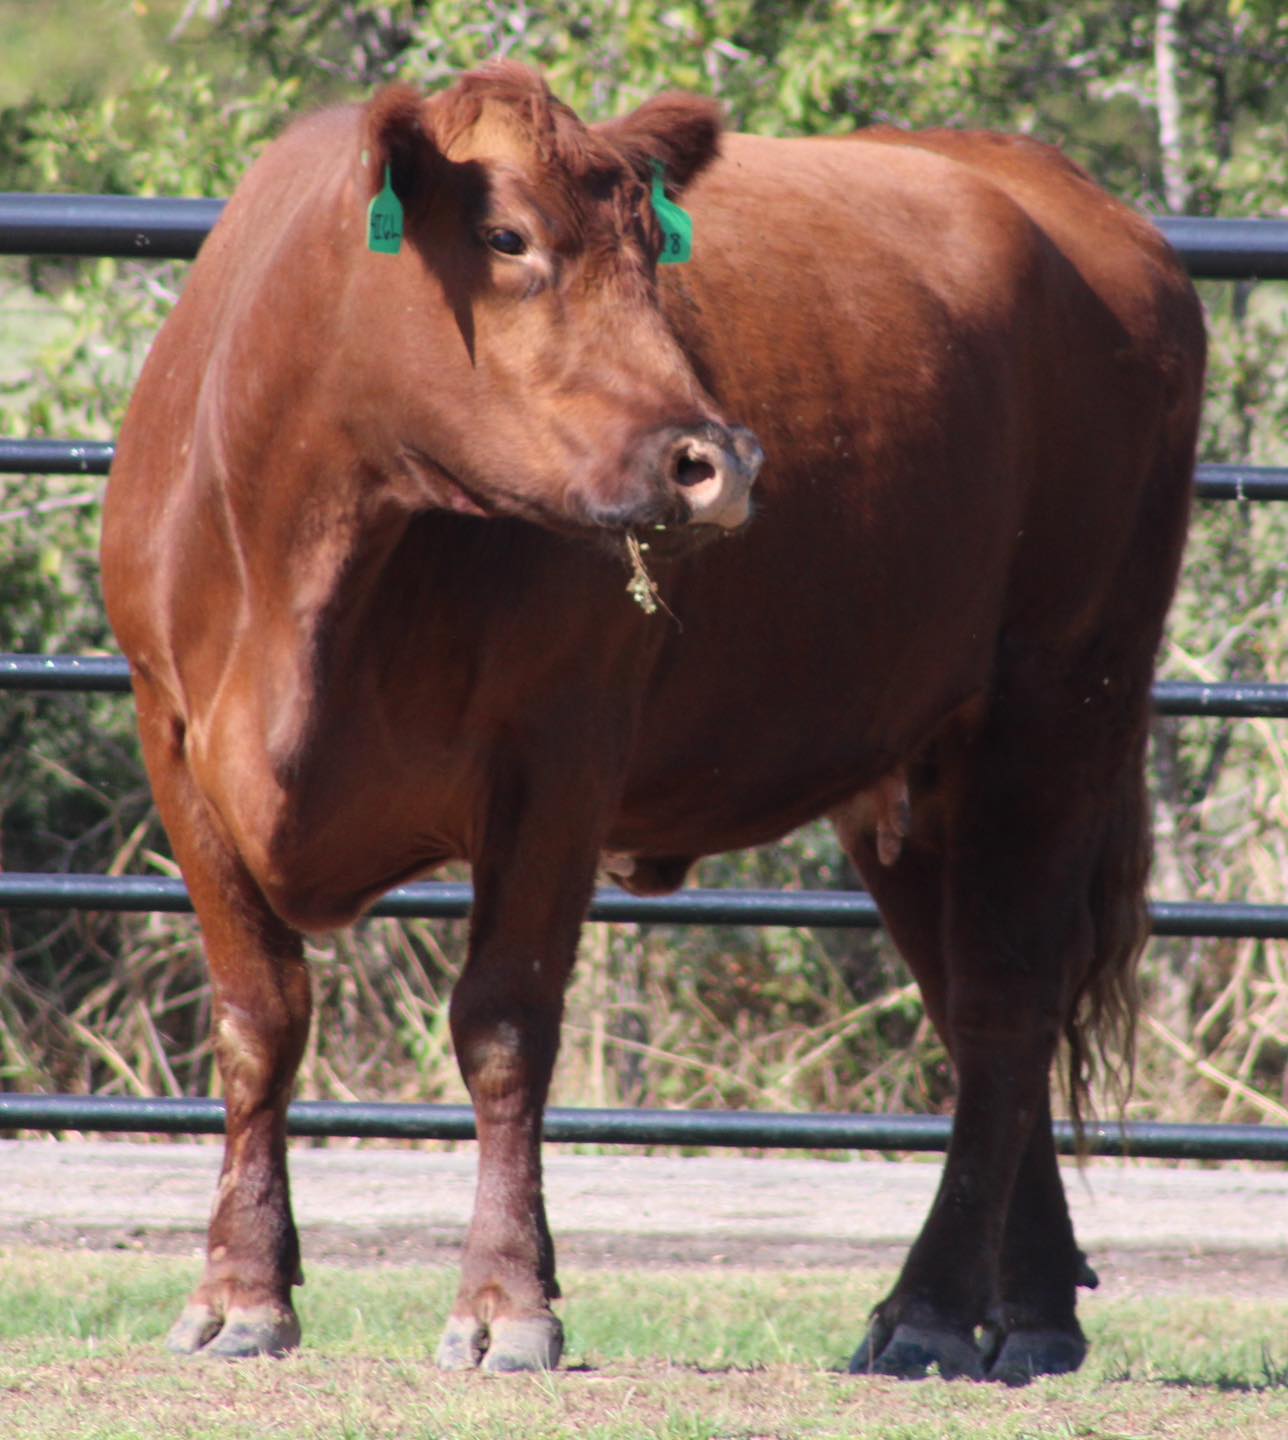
point(973, 374)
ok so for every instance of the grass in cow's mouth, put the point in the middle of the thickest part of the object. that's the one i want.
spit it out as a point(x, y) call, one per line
point(642, 587)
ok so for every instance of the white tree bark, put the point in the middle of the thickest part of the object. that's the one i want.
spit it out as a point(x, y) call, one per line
point(1176, 189)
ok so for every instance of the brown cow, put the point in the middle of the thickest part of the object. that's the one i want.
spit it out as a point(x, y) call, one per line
point(364, 548)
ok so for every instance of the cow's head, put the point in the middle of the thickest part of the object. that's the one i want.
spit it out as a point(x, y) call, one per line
point(513, 352)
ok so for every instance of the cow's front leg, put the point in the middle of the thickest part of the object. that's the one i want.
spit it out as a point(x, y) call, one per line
point(505, 1015)
point(261, 1001)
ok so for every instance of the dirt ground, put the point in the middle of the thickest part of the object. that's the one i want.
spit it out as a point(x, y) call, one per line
point(1149, 1229)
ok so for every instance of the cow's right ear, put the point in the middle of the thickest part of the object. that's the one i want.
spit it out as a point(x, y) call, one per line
point(396, 139)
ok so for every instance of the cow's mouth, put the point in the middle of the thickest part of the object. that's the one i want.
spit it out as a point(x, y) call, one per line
point(664, 526)
point(673, 539)
point(651, 550)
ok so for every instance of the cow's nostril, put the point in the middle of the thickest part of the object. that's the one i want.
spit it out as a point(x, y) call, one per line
point(692, 470)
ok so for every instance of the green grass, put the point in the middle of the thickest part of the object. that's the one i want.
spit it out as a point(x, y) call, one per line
point(691, 1356)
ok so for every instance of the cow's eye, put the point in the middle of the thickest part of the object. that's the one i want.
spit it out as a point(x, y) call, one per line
point(506, 242)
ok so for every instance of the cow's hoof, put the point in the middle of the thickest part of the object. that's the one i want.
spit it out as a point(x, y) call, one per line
point(873, 1343)
point(242, 1333)
point(1026, 1354)
point(463, 1343)
point(533, 1342)
point(910, 1353)
point(506, 1347)
point(193, 1329)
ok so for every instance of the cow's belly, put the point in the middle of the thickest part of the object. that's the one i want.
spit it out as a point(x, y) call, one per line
point(775, 773)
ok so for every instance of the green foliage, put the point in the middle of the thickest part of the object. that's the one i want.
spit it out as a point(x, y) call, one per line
point(58, 47)
point(176, 98)
point(174, 132)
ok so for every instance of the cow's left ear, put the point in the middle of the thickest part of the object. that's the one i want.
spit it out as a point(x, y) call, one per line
point(396, 139)
point(682, 131)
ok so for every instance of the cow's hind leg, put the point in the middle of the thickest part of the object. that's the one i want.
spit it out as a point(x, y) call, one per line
point(261, 1001)
point(909, 894)
point(998, 1254)
point(1036, 1331)
point(1041, 1264)
point(1014, 929)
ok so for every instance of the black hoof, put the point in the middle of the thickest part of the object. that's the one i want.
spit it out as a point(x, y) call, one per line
point(1027, 1354)
point(911, 1353)
point(864, 1359)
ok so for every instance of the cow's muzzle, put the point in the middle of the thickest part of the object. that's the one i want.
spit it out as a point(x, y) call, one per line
point(711, 469)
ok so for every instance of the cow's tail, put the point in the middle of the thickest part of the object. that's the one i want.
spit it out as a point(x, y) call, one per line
point(1100, 1029)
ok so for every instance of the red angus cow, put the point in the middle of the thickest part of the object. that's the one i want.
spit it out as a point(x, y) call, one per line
point(364, 548)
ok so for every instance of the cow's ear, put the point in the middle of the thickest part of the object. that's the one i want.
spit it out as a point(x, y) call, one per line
point(396, 139)
point(682, 131)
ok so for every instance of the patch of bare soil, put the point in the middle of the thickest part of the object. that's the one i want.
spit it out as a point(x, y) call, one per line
point(1127, 1271)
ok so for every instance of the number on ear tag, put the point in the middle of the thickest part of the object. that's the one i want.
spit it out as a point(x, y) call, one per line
point(677, 224)
point(385, 220)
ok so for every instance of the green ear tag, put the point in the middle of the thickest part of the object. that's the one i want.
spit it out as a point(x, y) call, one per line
point(385, 221)
point(677, 224)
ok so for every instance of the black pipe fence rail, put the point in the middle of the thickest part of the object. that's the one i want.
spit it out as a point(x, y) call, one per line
point(127, 226)
point(130, 226)
point(689, 1128)
point(1241, 482)
point(451, 900)
point(122, 226)
point(56, 457)
point(108, 674)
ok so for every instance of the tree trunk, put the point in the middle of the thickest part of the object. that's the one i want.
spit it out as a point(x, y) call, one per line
point(1176, 189)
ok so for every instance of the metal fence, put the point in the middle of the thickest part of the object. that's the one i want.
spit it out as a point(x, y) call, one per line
point(161, 229)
